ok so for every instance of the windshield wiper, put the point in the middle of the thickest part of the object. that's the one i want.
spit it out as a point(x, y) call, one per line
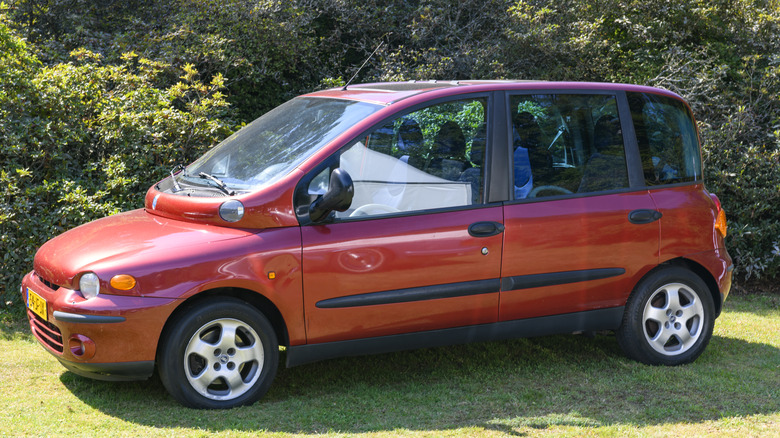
point(218, 182)
point(176, 186)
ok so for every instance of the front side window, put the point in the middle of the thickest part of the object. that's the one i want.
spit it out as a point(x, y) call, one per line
point(428, 159)
point(276, 143)
point(564, 144)
point(667, 139)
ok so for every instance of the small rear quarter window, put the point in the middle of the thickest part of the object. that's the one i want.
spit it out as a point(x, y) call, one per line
point(667, 138)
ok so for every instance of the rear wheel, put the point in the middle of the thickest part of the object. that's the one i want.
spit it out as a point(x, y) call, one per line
point(220, 354)
point(668, 318)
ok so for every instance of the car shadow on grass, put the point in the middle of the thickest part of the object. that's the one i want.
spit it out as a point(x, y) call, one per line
point(505, 386)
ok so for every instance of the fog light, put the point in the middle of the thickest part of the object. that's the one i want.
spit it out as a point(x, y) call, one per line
point(81, 346)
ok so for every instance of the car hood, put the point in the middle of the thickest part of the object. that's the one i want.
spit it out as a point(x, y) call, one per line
point(135, 233)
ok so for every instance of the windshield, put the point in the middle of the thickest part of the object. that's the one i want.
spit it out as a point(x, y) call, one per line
point(276, 143)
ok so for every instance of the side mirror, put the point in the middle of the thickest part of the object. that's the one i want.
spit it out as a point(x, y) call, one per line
point(338, 197)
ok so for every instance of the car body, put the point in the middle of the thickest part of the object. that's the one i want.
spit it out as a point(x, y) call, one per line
point(380, 217)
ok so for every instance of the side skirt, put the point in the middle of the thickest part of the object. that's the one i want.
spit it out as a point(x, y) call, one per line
point(591, 320)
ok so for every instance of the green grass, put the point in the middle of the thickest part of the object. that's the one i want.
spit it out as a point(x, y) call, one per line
point(552, 386)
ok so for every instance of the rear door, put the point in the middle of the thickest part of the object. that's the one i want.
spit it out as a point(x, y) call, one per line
point(580, 230)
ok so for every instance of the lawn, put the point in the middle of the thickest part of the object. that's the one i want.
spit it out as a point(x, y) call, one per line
point(551, 386)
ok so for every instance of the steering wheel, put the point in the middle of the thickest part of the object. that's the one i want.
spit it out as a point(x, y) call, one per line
point(370, 209)
point(559, 189)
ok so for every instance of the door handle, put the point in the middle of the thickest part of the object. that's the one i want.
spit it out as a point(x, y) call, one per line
point(485, 229)
point(644, 216)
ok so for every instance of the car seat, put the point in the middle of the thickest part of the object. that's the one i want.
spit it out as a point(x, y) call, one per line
point(448, 155)
point(606, 167)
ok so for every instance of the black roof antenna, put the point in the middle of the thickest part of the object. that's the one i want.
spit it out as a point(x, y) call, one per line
point(361, 67)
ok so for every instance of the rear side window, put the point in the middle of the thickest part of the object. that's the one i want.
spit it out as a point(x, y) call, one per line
point(667, 138)
point(566, 143)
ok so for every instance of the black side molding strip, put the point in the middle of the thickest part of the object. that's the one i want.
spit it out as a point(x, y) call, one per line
point(590, 320)
point(86, 319)
point(439, 291)
point(556, 278)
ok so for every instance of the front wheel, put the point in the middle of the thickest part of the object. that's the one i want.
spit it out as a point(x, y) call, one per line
point(668, 318)
point(220, 354)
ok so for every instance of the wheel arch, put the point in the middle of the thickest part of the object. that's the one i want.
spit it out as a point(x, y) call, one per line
point(256, 300)
point(701, 272)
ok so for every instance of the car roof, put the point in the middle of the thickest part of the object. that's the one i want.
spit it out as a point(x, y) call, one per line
point(386, 93)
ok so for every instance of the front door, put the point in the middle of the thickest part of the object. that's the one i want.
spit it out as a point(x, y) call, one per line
point(418, 249)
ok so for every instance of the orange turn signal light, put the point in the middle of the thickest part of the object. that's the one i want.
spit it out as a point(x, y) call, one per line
point(720, 223)
point(123, 282)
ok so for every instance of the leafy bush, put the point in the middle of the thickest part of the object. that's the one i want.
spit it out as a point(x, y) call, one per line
point(82, 140)
point(743, 151)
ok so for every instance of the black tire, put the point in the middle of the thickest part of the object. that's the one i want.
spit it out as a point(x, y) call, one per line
point(668, 318)
point(203, 365)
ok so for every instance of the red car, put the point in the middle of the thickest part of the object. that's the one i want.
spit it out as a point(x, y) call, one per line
point(388, 216)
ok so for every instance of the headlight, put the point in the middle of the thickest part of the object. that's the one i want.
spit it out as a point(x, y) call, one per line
point(89, 285)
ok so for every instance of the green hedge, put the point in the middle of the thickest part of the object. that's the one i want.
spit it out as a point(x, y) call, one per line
point(87, 125)
point(82, 140)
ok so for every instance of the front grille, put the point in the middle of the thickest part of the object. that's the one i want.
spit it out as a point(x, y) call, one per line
point(46, 332)
point(48, 283)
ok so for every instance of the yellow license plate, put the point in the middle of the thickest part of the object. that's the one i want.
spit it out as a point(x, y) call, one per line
point(37, 304)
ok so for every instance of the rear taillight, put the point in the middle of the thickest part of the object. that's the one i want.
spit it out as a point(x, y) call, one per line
point(720, 220)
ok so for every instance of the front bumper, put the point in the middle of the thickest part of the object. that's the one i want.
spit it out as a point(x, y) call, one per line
point(109, 337)
point(122, 371)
